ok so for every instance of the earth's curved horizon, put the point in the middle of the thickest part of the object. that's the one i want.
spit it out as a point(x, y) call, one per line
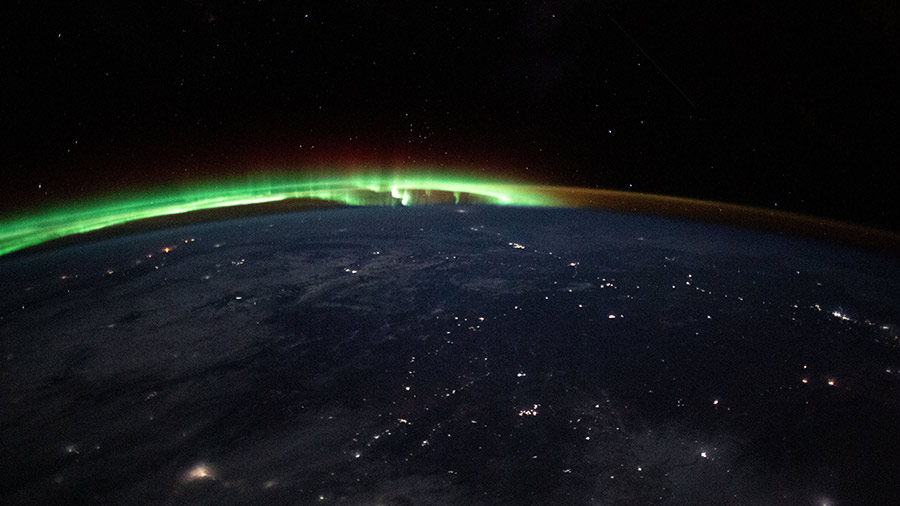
point(109, 214)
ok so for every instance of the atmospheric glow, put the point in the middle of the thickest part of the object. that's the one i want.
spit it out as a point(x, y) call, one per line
point(355, 190)
point(41, 225)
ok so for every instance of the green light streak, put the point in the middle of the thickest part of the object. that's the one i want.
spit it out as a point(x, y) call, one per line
point(42, 225)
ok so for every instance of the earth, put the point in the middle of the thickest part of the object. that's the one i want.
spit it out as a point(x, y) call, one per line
point(450, 355)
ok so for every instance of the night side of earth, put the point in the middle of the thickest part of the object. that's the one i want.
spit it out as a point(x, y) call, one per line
point(504, 345)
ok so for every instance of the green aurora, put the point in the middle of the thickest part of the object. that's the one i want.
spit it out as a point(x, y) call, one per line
point(42, 225)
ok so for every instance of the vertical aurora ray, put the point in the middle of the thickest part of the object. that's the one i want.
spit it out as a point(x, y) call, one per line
point(41, 225)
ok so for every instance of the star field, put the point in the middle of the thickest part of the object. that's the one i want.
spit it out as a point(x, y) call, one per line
point(725, 102)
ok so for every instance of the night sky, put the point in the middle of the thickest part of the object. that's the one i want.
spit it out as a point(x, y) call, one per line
point(787, 104)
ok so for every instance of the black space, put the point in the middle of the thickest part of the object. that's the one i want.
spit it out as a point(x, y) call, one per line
point(793, 103)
